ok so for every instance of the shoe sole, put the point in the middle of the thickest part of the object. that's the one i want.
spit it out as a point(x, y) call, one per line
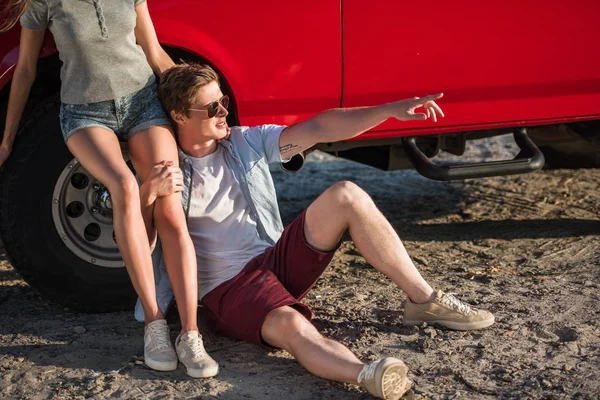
point(160, 365)
point(203, 373)
point(394, 382)
point(458, 326)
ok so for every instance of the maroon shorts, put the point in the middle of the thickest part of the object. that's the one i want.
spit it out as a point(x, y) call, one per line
point(279, 277)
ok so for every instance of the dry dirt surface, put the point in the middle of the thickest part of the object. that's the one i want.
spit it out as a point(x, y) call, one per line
point(526, 248)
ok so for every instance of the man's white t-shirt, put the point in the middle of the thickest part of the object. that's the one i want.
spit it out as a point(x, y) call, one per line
point(223, 231)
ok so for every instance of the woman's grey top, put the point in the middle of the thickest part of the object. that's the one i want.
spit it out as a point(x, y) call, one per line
point(96, 43)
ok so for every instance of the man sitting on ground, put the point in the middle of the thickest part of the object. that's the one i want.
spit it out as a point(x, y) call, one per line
point(252, 273)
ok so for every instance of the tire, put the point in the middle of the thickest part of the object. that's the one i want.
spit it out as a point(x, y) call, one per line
point(84, 276)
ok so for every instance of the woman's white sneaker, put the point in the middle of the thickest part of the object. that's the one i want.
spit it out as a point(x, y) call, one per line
point(159, 353)
point(191, 353)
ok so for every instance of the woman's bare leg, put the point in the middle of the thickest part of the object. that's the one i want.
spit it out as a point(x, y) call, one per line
point(147, 148)
point(99, 152)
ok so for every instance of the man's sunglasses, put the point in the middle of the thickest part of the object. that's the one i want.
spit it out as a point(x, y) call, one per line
point(213, 108)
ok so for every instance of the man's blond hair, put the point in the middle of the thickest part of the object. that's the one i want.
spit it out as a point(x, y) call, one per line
point(179, 85)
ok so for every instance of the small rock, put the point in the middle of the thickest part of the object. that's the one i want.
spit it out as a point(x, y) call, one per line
point(431, 332)
point(546, 383)
point(360, 297)
point(79, 329)
point(535, 365)
point(420, 260)
point(138, 362)
point(421, 390)
point(573, 347)
point(424, 325)
point(20, 359)
point(546, 336)
point(567, 367)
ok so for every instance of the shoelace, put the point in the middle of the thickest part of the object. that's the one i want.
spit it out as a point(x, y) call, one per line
point(196, 346)
point(368, 372)
point(161, 339)
point(449, 300)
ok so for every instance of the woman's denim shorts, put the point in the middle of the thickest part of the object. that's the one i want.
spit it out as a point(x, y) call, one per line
point(125, 116)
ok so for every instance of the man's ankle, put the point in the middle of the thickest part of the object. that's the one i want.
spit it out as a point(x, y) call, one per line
point(422, 298)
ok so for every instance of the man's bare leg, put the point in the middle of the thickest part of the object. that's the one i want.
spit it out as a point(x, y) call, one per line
point(346, 206)
point(287, 329)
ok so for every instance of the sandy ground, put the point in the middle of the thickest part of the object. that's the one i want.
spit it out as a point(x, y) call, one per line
point(526, 247)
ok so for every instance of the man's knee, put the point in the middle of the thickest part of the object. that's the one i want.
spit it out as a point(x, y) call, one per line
point(285, 326)
point(349, 195)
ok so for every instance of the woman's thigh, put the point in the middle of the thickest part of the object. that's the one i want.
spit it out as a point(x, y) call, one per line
point(99, 151)
point(151, 146)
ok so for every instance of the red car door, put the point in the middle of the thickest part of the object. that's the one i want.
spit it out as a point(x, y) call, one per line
point(497, 62)
point(282, 59)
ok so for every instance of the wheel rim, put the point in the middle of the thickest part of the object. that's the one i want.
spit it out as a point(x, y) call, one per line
point(82, 214)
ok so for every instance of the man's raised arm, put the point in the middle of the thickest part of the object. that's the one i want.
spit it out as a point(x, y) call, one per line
point(345, 123)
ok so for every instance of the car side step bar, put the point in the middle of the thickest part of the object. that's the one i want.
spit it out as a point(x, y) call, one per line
point(529, 159)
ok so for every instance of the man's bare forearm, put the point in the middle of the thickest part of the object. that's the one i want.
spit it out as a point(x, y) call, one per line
point(330, 126)
point(345, 123)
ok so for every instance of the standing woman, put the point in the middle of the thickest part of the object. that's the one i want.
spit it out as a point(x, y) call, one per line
point(111, 58)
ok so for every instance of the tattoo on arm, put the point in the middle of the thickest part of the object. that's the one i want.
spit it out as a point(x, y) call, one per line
point(289, 147)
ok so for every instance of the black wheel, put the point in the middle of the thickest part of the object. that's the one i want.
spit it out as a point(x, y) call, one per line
point(575, 145)
point(56, 221)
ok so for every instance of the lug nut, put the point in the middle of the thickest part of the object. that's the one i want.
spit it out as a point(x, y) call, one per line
point(96, 186)
point(95, 210)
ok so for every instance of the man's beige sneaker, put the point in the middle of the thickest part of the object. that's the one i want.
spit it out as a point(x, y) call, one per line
point(159, 353)
point(385, 378)
point(191, 353)
point(446, 310)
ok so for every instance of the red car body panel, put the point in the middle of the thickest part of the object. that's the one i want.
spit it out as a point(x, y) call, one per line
point(498, 63)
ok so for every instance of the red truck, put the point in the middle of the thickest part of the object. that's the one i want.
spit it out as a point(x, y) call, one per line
point(530, 68)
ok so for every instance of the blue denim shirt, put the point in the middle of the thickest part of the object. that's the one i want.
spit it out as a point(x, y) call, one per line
point(249, 151)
